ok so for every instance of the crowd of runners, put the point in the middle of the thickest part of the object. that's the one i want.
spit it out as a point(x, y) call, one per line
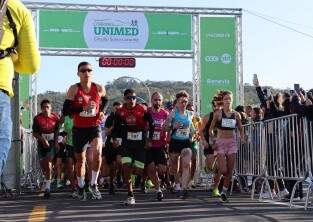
point(134, 145)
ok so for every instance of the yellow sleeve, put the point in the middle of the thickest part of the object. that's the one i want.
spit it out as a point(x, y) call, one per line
point(28, 54)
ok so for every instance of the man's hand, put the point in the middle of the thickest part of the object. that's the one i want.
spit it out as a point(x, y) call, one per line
point(244, 139)
point(101, 116)
point(255, 81)
point(45, 143)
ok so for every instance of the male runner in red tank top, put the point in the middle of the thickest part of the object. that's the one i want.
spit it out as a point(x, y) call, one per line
point(86, 101)
point(45, 128)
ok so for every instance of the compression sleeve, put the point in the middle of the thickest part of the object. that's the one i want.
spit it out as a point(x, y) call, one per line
point(149, 119)
point(69, 109)
point(104, 103)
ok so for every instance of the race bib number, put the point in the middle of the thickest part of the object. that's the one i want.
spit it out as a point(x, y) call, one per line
point(228, 123)
point(183, 132)
point(134, 136)
point(48, 137)
point(88, 113)
point(156, 136)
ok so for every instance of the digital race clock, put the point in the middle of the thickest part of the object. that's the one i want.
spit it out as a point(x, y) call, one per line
point(117, 62)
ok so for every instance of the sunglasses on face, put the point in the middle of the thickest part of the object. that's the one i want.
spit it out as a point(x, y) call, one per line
point(85, 70)
point(131, 97)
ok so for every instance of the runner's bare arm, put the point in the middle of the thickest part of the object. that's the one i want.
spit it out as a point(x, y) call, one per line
point(216, 117)
point(239, 125)
point(71, 92)
point(168, 122)
point(104, 98)
point(101, 90)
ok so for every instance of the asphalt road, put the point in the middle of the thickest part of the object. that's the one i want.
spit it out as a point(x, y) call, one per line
point(198, 207)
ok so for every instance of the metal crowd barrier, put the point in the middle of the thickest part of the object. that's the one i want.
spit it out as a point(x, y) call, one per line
point(277, 150)
point(32, 174)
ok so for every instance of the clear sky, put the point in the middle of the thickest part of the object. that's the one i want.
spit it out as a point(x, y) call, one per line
point(280, 57)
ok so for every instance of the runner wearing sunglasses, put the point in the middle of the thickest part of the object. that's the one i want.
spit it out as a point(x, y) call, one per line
point(130, 124)
point(86, 101)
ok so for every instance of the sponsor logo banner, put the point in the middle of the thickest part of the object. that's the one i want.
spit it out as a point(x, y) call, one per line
point(218, 58)
point(114, 30)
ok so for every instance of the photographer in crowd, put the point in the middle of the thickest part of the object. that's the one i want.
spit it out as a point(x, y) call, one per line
point(274, 107)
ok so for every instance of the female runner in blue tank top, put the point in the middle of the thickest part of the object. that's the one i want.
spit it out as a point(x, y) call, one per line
point(180, 127)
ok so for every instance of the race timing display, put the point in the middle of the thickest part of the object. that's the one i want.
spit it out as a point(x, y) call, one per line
point(117, 62)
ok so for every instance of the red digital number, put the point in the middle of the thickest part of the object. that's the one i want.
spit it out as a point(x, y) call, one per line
point(117, 62)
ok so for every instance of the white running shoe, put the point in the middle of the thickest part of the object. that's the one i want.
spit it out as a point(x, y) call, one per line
point(130, 201)
point(96, 195)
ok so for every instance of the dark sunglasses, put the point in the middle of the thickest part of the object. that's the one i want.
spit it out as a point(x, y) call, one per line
point(85, 70)
point(131, 97)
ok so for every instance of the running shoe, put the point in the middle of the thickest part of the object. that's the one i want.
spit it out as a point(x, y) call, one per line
point(178, 192)
point(171, 189)
point(216, 192)
point(87, 188)
point(184, 194)
point(149, 184)
point(59, 185)
point(224, 197)
point(81, 195)
point(159, 196)
point(143, 188)
point(130, 201)
point(74, 193)
point(96, 195)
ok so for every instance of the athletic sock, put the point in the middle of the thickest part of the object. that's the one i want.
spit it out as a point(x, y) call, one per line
point(94, 177)
point(177, 186)
point(47, 184)
point(224, 190)
point(81, 182)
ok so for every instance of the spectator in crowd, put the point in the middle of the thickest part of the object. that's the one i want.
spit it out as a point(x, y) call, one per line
point(19, 52)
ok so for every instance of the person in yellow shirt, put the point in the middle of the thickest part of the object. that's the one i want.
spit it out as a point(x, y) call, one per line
point(18, 53)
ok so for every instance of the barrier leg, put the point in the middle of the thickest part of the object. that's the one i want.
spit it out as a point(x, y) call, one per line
point(308, 196)
point(253, 186)
point(269, 188)
point(293, 192)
